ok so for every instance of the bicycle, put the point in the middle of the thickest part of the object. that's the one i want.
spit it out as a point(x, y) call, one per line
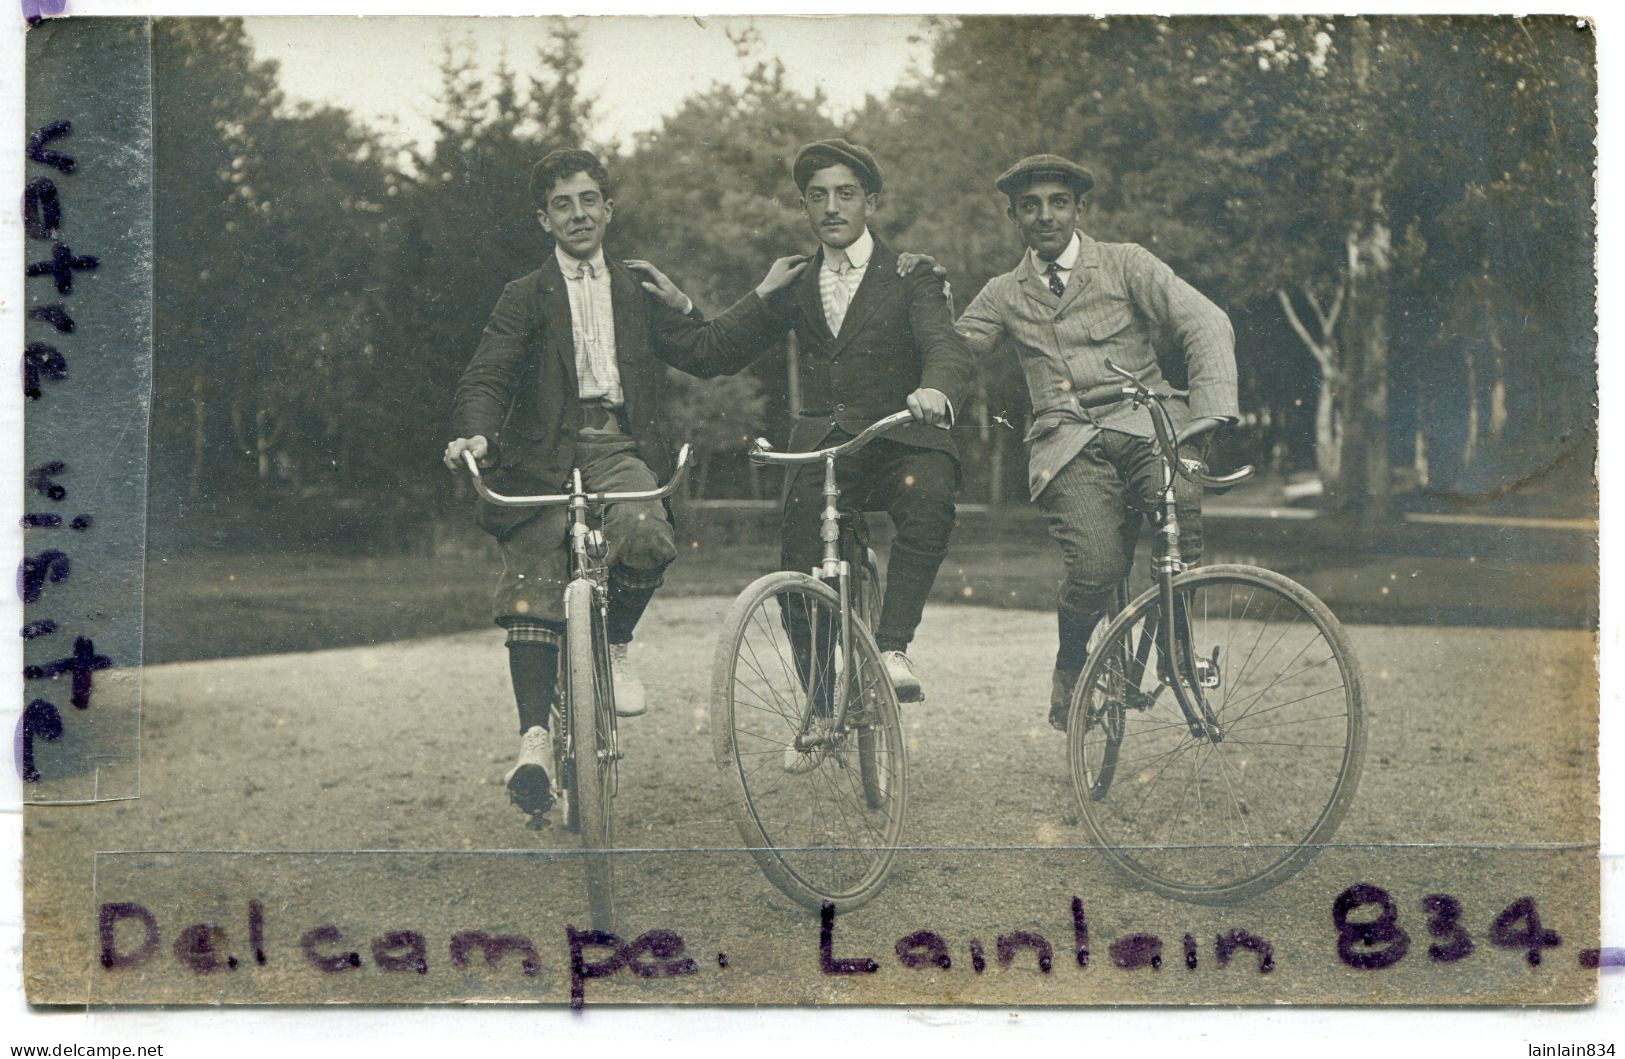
point(1205, 778)
point(586, 746)
point(805, 722)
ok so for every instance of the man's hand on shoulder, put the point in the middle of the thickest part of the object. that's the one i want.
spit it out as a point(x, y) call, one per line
point(657, 283)
point(781, 275)
point(909, 263)
point(476, 445)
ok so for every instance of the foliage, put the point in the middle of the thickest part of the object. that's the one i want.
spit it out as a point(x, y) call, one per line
point(318, 298)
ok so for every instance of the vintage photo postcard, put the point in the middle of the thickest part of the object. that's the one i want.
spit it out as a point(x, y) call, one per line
point(853, 511)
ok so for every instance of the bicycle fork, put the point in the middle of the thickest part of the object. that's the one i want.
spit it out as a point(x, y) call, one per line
point(591, 550)
point(1188, 674)
point(832, 568)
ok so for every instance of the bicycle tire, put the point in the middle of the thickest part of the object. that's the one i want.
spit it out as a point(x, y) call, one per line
point(592, 739)
point(564, 768)
point(872, 749)
point(813, 835)
point(1109, 719)
point(1259, 815)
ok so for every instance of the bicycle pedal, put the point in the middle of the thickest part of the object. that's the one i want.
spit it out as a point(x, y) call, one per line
point(1140, 700)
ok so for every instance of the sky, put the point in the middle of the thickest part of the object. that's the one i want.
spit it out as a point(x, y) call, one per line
point(385, 71)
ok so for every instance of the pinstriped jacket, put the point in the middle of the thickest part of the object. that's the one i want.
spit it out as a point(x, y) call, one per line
point(1121, 299)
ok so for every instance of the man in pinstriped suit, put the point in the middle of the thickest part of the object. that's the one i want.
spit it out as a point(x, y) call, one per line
point(1070, 304)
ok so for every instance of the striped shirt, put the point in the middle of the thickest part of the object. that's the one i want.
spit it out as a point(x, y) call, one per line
point(839, 279)
point(592, 326)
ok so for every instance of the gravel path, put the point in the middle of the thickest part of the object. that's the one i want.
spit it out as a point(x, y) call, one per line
point(1481, 760)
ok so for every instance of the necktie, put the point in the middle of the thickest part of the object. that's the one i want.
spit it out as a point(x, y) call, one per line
point(841, 297)
point(1056, 287)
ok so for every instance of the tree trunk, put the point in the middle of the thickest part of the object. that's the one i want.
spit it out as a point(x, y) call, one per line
point(992, 443)
point(792, 373)
point(1330, 410)
point(1470, 446)
point(200, 422)
point(1498, 382)
point(995, 471)
point(262, 446)
point(1366, 445)
point(1328, 437)
point(702, 475)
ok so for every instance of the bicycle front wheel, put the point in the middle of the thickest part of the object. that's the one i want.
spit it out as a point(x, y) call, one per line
point(873, 753)
point(806, 733)
point(1218, 814)
point(593, 745)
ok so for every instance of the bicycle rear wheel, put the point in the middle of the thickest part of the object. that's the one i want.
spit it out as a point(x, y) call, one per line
point(1107, 716)
point(1215, 820)
point(830, 831)
point(593, 745)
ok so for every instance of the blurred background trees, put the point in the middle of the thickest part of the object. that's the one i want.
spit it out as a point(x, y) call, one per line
point(1396, 213)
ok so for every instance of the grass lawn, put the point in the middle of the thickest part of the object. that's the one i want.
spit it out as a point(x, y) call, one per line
point(215, 603)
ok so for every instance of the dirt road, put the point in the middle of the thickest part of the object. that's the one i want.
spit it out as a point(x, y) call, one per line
point(359, 789)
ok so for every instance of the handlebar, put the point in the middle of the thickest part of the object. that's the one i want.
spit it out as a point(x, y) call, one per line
point(1167, 438)
point(555, 499)
point(762, 450)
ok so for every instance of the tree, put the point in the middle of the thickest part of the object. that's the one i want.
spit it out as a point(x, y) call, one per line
point(708, 198)
point(464, 226)
point(259, 306)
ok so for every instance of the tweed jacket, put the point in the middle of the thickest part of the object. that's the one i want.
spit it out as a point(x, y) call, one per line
point(1120, 303)
point(519, 390)
point(896, 338)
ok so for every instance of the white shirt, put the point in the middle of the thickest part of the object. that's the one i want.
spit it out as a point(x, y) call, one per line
point(592, 326)
point(1068, 259)
point(839, 279)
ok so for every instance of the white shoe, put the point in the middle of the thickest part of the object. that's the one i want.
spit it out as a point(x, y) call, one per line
point(800, 762)
point(529, 786)
point(903, 678)
point(629, 696)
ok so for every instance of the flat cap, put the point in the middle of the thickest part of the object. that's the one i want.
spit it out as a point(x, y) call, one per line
point(816, 155)
point(1045, 167)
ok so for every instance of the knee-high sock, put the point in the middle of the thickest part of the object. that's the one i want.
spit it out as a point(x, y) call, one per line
point(909, 575)
point(534, 667)
point(629, 594)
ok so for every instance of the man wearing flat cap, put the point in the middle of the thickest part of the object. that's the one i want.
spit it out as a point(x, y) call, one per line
point(1068, 306)
point(872, 342)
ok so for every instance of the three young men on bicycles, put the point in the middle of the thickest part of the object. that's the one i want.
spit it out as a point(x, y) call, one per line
point(566, 374)
point(1068, 306)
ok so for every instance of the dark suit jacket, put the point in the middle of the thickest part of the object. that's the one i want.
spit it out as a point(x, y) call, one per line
point(897, 337)
point(520, 389)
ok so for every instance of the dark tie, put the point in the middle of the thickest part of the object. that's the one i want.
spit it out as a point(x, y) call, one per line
point(1056, 287)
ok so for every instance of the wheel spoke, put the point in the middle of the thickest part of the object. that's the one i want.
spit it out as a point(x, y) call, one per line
point(1218, 820)
point(830, 830)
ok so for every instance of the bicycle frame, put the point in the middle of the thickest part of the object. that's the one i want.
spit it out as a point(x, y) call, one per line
point(588, 547)
point(1175, 648)
point(832, 569)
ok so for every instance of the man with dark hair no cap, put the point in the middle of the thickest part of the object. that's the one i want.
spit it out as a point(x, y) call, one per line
point(567, 375)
